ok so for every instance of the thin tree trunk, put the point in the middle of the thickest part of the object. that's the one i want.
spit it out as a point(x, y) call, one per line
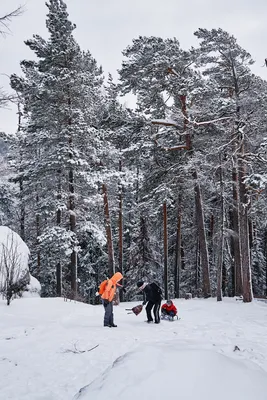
point(237, 277)
point(22, 210)
point(165, 230)
point(244, 234)
point(38, 232)
point(72, 214)
point(221, 240)
point(204, 257)
point(73, 229)
point(120, 223)
point(58, 216)
point(111, 263)
point(22, 206)
point(178, 256)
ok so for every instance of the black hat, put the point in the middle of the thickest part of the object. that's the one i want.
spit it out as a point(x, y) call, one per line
point(139, 284)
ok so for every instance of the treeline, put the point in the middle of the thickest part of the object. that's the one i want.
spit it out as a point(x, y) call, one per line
point(173, 191)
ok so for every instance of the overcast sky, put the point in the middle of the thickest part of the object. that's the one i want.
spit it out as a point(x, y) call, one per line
point(106, 27)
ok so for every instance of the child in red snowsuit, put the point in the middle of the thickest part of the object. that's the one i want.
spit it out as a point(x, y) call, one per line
point(169, 309)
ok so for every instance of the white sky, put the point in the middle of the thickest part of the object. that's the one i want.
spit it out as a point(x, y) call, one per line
point(106, 27)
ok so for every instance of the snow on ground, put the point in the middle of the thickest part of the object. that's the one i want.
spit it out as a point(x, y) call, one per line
point(45, 352)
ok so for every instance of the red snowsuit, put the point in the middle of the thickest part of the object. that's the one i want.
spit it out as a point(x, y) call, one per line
point(169, 309)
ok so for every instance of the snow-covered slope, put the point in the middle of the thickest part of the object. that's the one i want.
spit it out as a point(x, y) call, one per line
point(175, 371)
point(50, 349)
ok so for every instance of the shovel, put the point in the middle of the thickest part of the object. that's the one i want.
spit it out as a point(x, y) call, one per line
point(135, 310)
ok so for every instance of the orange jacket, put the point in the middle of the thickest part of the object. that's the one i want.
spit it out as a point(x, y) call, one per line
point(111, 287)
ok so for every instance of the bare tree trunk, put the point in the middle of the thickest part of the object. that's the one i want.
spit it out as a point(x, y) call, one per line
point(120, 223)
point(244, 235)
point(38, 232)
point(22, 210)
point(237, 278)
point(59, 267)
point(111, 263)
point(165, 233)
point(73, 258)
point(197, 276)
point(178, 255)
point(22, 206)
point(71, 205)
point(221, 239)
point(204, 257)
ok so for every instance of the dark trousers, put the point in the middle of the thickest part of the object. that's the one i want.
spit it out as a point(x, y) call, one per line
point(166, 312)
point(156, 308)
point(108, 316)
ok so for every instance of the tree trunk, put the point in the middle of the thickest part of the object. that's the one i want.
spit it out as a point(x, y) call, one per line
point(38, 232)
point(22, 206)
point(165, 231)
point(58, 216)
point(237, 277)
point(120, 223)
point(73, 258)
point(204, 257)
point(197, 275)
point(22, 210)
point(244, 234)
point(221, 240)
point(178, 256)
point(72, 214)
point(111, 263)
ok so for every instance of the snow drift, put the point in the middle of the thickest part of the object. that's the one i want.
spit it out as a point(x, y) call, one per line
point(14, 256)
point(168, 371)
point(14, 265)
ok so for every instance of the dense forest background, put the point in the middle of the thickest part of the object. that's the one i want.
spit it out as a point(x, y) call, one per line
point(173, 191)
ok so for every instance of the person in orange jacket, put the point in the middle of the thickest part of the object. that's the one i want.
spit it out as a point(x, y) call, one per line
point(107, 298)
point(168, 309)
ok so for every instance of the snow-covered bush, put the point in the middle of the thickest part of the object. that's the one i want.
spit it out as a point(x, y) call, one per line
point(33, 289)
point(14, 269)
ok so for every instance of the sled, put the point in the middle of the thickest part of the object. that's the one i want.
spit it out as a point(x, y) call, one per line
point(168, 318)
point(135, 310)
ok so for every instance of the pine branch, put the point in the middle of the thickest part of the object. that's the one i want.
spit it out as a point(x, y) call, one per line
point(6, 19)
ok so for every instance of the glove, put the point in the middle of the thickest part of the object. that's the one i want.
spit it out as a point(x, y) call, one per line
point(96, 293)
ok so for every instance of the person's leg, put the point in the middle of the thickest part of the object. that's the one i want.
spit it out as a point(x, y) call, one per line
point(156, 312)
point(148, 311)
point(111, 316)
point(108, 310)
point(171, 314)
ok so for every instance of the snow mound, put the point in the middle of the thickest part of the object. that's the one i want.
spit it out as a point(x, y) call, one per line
point(16, 252)
point(168, 371)
point(33, 289)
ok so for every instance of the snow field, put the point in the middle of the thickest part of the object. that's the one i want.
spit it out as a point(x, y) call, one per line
point(45, 350)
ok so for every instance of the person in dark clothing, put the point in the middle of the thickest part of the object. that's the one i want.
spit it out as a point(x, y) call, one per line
point(152, 297)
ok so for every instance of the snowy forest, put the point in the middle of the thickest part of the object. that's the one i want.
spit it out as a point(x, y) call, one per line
point(172, 191)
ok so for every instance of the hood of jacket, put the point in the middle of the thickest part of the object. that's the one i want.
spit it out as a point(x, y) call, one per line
point(116, 277)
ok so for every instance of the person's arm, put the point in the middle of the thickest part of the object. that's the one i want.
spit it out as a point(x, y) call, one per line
point(121, 287)
point(107, 292)
point(174, 309)
point(144, 298)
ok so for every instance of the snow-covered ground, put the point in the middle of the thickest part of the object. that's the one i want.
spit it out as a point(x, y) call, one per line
point(50, 349)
